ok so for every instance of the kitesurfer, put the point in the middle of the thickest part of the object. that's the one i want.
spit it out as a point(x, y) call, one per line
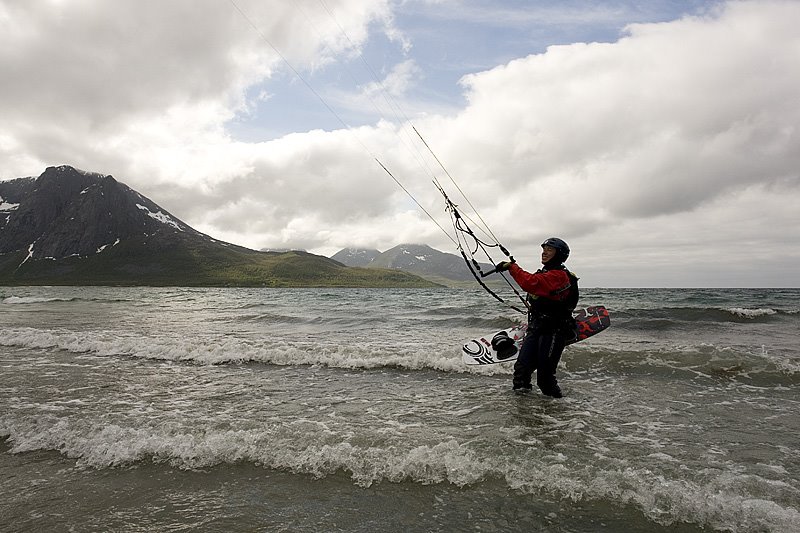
point(552, 296)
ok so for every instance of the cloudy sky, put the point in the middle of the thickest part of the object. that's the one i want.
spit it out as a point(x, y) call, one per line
point(660, 139)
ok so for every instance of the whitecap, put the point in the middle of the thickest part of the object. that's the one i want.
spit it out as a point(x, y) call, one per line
point(743, 312)
point(32, 300)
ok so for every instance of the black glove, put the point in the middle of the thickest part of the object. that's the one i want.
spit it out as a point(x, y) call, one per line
point(502, 266)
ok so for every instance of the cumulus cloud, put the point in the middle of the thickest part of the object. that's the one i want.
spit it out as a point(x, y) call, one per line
point(659, 126)
point(107, 82)
point(667, 118)
point(676, 143)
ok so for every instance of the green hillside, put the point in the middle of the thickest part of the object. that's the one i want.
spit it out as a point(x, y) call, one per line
point(196, 262)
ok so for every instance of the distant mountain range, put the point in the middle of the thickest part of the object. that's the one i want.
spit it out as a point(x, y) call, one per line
point(419, 259)
point(70, 227)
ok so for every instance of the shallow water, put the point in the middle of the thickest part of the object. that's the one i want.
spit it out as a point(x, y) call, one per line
point(349, 409)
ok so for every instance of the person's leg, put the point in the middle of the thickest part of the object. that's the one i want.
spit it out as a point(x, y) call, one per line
point(550, 347)
point(526, 362)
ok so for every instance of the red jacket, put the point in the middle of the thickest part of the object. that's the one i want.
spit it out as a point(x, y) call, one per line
point(548, 284)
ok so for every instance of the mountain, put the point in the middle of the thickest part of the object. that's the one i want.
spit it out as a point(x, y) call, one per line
point(356, 257)
point(419, 259)
point(70, 227)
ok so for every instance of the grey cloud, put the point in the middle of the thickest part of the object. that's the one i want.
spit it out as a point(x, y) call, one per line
point(666, 119)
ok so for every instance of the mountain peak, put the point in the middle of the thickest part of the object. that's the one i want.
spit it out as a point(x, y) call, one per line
point(67, 212)
point(356, 257)
point(418, 259)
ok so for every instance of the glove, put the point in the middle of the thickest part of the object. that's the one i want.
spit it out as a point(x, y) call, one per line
point(502, 266)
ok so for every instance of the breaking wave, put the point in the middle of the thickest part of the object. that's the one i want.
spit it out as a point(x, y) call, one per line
point(365, 352)
point(309, 448)
point(677, 316)
point(33, 300)
point(26, 300)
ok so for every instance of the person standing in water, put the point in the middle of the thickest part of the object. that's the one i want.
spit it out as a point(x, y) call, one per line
point(552, 296)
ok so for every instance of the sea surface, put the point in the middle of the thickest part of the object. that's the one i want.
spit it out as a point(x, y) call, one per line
point(184, 409)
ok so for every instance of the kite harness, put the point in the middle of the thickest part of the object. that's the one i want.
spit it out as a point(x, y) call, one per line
point(464, 234)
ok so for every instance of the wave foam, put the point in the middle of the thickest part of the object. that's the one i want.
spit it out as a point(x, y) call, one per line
point(33, 300)
point(215, 350)
point(716, 502)
point(750, 313)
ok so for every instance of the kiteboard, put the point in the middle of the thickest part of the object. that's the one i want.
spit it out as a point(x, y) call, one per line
point(503, 346)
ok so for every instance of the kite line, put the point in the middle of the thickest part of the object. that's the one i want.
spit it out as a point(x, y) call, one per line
point(464, 237)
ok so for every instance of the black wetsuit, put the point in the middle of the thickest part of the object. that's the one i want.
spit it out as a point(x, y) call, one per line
point(550, 325)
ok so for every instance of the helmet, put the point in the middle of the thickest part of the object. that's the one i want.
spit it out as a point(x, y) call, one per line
point(562, 250)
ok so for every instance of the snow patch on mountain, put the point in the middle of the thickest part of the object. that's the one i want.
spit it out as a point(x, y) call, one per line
point(6, 206)
point(161, 217)
point(107, 245)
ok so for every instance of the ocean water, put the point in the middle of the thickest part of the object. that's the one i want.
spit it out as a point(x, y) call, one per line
point(142, 409)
